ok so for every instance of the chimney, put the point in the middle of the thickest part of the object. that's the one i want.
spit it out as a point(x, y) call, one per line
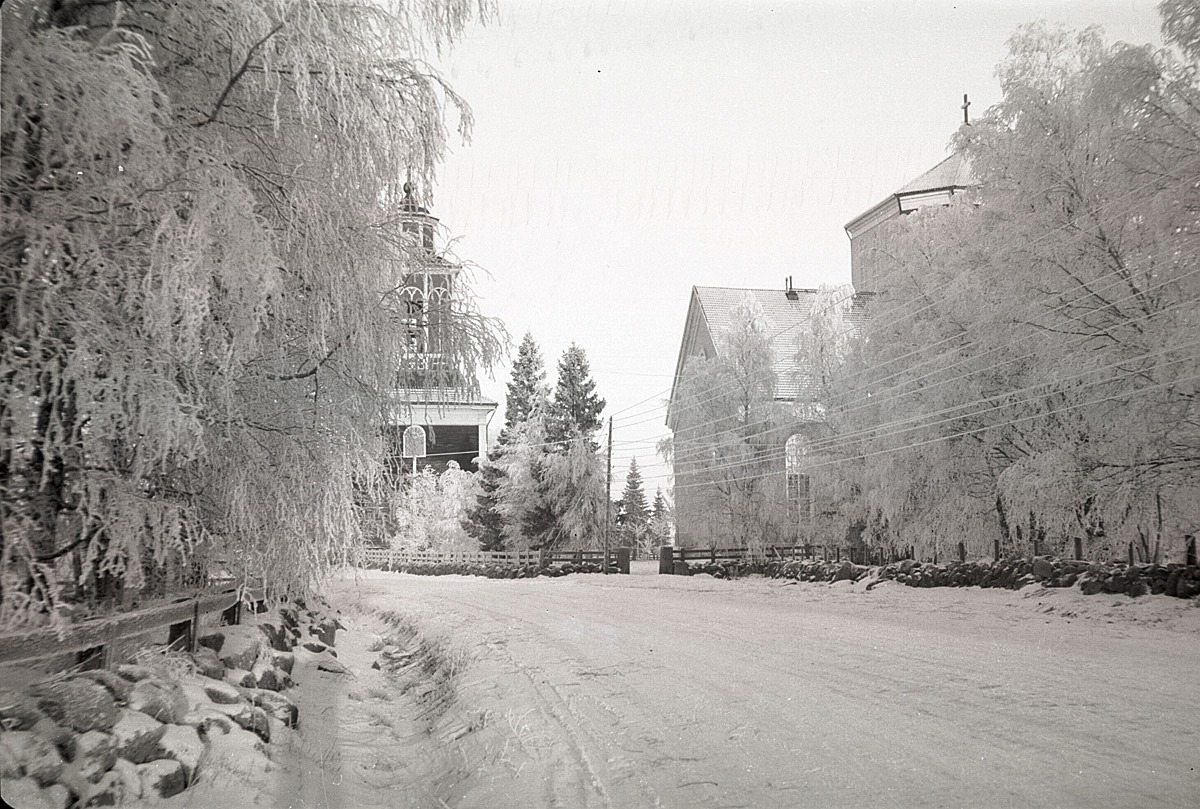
point(789, 292)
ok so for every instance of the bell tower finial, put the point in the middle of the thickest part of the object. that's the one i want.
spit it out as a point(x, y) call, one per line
point(966, 103)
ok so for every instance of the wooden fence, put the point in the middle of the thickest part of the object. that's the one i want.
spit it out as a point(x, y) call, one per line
point(91, 641)
point(386, 558)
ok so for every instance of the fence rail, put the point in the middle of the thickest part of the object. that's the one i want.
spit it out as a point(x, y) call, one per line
point(379, 557)
point(92, 639)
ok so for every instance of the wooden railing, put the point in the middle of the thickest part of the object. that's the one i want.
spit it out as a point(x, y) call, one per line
point(384, 557)
point(91, 640)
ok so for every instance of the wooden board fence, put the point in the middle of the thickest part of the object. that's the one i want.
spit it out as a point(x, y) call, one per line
point(386, 558)
point(91, 639)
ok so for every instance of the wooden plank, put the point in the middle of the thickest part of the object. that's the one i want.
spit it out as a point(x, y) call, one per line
point(104, 631)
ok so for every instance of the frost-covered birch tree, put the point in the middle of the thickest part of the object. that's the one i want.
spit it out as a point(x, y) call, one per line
point(727, 446)
point(201, 258)
point(1032, 371)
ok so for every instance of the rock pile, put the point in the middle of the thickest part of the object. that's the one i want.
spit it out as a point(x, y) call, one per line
point(144, 731)
point(499, 570)
point(1178, 581)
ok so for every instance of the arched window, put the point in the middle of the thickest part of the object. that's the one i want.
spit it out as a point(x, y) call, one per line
point(799, 489)
point(438, 318)
point(413, 317)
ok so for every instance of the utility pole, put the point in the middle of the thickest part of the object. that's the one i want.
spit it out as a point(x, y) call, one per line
point(608, 497)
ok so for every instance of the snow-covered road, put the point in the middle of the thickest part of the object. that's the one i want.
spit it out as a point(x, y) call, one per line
point(646, 690)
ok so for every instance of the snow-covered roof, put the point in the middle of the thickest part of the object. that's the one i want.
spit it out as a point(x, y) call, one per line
point(953, 172)
point(710, 313)
point(934, 187)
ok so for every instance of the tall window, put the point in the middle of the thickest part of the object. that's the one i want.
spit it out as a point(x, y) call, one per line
point(413, 319)
point(799, 489)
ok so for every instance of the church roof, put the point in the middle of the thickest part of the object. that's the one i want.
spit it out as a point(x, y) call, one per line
point(710, 313)
point(953, 172)
point(950, 175)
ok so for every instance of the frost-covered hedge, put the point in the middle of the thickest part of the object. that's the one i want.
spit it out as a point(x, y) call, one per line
point(1176, 580)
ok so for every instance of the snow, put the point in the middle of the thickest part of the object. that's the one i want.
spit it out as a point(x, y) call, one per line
point(649, 690)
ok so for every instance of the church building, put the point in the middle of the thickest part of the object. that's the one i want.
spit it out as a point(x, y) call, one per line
point(870, 231)
point(434, 393)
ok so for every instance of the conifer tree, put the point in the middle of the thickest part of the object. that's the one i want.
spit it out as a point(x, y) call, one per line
point(527, 397)
point(527, 391)
point(634, 498)
point(575, 410)
point(660, 505)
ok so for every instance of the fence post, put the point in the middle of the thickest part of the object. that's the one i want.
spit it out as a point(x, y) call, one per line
point(182, 636)
point(962, 551)
point(1078, 548)
point(1037, 548)
point(1190, 553)
point(623, 560)
point(1131, 554)
point(837, 552)
point(666, 559)
point(996, 549)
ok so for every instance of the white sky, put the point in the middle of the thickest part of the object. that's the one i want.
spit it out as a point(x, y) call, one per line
point(625, 151)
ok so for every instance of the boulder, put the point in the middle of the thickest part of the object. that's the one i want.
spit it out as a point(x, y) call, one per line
point(1043, 569)
point(285, 661)
point(25, 793)
point(137, 736)
point(278, 706)
point(24, 753)
point(131, 782)
point(241, 647)
point(333, 666)
point(208, 721)
point(266, 677)
point(846, 571)
point(95, 754)
point(183, 743)
point(248, 717)
point(325, 631)
point(278, 636)
point(80, 704)
point(222, 692)
point(239, 751)
point(162, 778)
point(134, 672)
point(114, 787)
point(208, 664)
point(57, 735)
point(163, 700)
point(18, 711)
point(240, 678)
point(212, 640)
point(118, 686)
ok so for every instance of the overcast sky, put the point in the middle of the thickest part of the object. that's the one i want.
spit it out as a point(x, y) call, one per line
point(626, 151)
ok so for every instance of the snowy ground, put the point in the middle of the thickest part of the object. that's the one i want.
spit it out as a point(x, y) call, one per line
point(647, 690)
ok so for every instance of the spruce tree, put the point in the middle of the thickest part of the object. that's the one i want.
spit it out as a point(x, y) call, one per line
point(483, 521)
point(575, 410)
point(527, 391)
point(660, 505)
point(527, 395)
point(634, 498)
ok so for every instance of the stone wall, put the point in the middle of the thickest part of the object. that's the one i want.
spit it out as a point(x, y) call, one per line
point(144, 730)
